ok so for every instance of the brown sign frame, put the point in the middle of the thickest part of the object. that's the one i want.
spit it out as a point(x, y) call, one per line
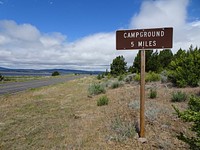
point(154, 38)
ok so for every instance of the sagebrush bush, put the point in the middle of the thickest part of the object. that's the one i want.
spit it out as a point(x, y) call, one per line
point(96, 89)
point(134, 105)
point(164, 76)
point(129, 78)
point(153, 93)
point(115, 85)
point(102, 101)
point(123, 129)
point(152, 113)
point(178, 96)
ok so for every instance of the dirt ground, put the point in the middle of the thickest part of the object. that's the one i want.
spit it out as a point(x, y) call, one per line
point(64, 116)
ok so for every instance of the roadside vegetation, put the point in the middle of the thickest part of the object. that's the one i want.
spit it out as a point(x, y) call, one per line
point(102, 112)
point(179, 71)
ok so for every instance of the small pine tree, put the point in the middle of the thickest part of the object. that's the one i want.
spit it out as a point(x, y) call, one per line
point(118, 66)
point(185, 68)
point(165, 57)
point(192, 114)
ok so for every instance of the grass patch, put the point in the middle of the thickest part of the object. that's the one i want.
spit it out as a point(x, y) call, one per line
point(153, 93)
point(22, 78)
point(102, 101)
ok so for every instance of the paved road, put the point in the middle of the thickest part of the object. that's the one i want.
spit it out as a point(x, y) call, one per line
point(10, 88)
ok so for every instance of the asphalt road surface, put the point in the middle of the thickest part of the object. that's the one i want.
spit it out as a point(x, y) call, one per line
point(10, 88)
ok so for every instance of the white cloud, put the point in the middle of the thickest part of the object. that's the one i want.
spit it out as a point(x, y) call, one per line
point(161, 13)
point(24, 46)
point(169, 13)
point(54, 39)
point(24, 32)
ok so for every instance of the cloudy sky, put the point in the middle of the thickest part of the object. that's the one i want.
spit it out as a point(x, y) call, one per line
point(80, 34)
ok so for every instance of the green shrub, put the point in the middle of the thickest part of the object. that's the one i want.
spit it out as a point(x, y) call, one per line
point(137, 77)
point(178, 96)
point(99, 77)
point(55, 73)
point(153, 93)
point(109, 76)
point(149, 77)
point(102, 101)
point(194, 103)
point(152, 76)
point(1, 77)
point(120, 78)
point(198, 93)
point(192, 114)
point(96, 89)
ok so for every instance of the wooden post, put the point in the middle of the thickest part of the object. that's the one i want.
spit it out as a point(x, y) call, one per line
point(142, 95)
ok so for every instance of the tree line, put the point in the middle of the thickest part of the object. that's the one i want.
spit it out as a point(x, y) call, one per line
point(183, 67)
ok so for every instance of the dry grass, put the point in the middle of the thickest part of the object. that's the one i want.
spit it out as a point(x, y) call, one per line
point(63, 116)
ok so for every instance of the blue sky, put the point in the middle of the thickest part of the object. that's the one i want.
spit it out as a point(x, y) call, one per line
point(80, 34)
point(74, 18)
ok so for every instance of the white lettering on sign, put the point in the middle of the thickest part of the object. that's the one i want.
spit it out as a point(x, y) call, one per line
point(132, 44)
point(146, 43)
point(144, 34)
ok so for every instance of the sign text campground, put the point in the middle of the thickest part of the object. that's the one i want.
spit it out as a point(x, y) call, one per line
point(144, 39)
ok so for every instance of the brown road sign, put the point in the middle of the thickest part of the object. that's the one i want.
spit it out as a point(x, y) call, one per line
point(155, 38)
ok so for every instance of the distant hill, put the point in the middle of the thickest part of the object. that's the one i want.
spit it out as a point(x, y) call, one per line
point(6, 71)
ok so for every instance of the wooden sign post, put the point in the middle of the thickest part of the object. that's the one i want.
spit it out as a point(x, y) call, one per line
point(142, 95)
point(144, 39)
